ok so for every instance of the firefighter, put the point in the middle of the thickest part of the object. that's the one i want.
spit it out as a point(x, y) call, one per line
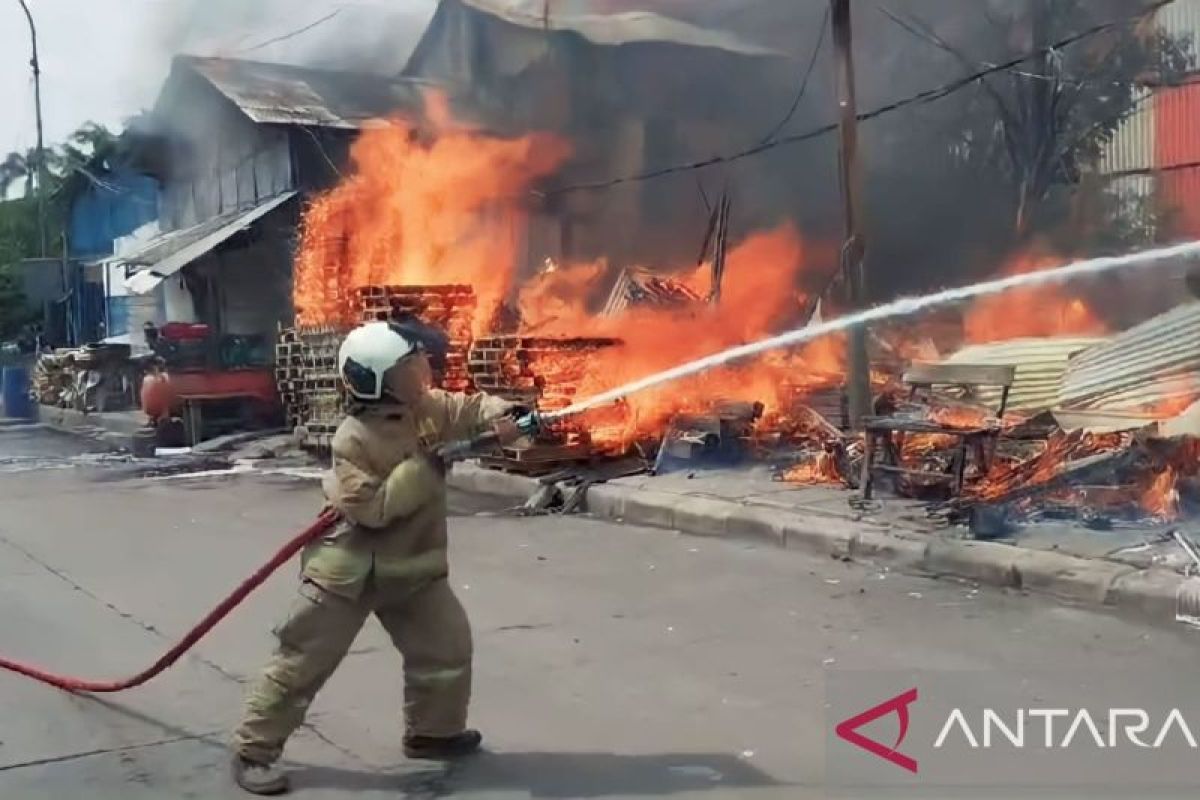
point(387, 557)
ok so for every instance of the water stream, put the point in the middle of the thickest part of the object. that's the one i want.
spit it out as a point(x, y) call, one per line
point(906, 306)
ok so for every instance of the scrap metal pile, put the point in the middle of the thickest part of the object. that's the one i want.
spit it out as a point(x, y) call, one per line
point(93, 378)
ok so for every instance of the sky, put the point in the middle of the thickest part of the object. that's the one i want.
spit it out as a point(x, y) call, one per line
point(104, 60)
point(95, 65)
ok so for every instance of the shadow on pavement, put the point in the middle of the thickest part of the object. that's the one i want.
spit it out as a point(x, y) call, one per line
point(556, 775)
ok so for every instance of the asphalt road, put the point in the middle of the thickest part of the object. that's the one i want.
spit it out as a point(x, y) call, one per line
point(612, 661)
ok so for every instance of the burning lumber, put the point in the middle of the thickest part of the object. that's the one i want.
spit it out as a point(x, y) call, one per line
point(544, 373)
point(1135, 477)
point(306, 369)
point(449, 308)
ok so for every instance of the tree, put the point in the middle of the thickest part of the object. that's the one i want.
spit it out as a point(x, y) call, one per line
point(18, 239)
point(1039, 126)
point(18, 167)
point(958, 185)
point(85, 154)
point(14, 315)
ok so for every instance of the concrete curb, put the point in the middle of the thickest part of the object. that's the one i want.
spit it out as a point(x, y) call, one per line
point(1149, 594)
point(115, 429)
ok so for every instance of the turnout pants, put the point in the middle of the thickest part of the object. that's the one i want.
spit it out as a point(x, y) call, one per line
point(427, 625)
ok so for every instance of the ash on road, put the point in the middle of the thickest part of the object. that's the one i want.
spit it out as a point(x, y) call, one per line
point(612, 661)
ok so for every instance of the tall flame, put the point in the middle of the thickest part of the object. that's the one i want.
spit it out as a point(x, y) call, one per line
point(759, 298)
point(439, 203)
point(442, 204)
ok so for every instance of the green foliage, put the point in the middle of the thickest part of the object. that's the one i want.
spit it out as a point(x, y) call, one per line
point(18, 240)
point(1013, 159)
point(1039, 128)
point(69, 165)
point(18, 230)
point(13, 314)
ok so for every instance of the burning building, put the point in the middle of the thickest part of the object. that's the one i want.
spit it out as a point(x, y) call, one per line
point(568, 300)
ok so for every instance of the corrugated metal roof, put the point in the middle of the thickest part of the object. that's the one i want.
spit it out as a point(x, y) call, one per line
point(1132, 145)
point(1041, 365)
point(1149, 364)
point(284, 95)
point(1180, 18)
point(172, 251)
point(629, 27)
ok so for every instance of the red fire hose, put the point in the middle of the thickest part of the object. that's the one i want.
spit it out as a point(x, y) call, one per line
point(324, 522)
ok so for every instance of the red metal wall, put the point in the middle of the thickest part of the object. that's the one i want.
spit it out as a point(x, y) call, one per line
point(1177, 141)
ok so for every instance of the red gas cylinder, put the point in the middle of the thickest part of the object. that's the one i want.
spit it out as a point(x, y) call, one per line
point(158, 396)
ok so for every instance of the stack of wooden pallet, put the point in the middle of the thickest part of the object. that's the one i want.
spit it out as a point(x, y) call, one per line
point(544, 373)
point(306, 374)
point(450, 308)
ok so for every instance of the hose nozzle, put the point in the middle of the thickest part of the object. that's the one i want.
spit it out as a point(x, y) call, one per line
point(528, 424)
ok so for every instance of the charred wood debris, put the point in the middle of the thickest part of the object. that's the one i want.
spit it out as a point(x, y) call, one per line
point(1011, 469)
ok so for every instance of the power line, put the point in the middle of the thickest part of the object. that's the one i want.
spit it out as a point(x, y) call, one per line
point(920, 98)
point(1150, 171)
point(812, 62)
point(291, 35)
point(919, 29)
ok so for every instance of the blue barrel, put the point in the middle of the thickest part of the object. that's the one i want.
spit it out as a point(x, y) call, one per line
point(14, 391)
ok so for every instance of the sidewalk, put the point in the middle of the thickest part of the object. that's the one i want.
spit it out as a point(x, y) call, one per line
point(115, 427)
point(1122, 569)
point(1130, 570)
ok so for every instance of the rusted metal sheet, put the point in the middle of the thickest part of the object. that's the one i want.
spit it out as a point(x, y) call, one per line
point(170, 252)
point(616, 28)
point(1177, 145)
point(1152, 364)
point(285, 95)
point(1041, 365)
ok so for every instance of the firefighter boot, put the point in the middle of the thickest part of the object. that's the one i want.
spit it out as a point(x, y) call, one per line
point(256, 778)
point(443, 748)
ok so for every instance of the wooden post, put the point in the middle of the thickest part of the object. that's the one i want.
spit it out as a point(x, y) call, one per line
point(853, 247)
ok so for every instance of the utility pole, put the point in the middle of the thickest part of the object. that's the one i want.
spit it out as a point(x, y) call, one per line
point(853, 253)
point(41, 145)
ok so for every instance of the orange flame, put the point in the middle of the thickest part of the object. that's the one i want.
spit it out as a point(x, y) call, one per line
point(1039, 311)
point(421, 208)
point(760, 297)
point(442, 204)
point(1161, 499)
point(821, 468)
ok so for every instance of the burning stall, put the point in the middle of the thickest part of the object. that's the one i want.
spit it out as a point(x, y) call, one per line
point(442, 220)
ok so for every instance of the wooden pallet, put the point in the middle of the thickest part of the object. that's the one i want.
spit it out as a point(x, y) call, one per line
point(539, 459)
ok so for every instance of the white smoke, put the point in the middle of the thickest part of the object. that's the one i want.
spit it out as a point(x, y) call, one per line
point(374, 36)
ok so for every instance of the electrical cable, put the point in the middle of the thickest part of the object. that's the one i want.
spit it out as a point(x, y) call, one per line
point(920, 98)
point(812, 62)
point(291, 35)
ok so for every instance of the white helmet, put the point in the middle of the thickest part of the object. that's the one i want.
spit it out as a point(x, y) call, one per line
point(369, 351)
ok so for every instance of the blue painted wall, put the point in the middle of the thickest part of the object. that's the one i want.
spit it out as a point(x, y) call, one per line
point(124, 202)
